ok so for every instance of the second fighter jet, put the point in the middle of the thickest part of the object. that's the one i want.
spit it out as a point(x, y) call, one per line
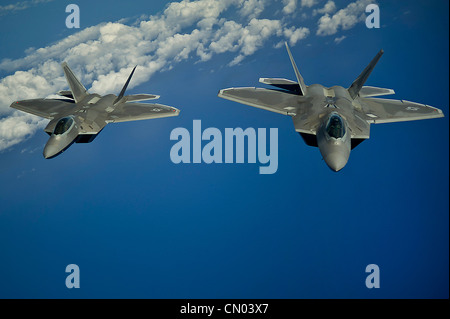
point(334, 119)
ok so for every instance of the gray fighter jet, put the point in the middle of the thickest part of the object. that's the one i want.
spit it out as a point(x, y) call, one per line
point(334, 119)
point(79, 116)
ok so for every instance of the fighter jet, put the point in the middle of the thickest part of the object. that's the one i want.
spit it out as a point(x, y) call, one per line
point(79, 116)
point(334, 119)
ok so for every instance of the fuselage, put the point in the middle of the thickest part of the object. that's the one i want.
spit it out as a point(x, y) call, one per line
point(86, 119)
point(333, 134)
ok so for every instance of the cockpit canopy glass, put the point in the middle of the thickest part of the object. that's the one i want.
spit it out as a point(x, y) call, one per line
point(335, 127)
point(63, 125)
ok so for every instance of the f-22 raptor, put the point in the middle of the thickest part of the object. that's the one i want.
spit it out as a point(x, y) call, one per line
point(334, 119)
point(78, 116)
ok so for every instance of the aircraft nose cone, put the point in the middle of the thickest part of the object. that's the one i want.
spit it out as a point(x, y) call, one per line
point(336, 161)
point(52, 148)
point(50, 151)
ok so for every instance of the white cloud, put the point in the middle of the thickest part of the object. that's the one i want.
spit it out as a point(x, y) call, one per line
point(23, 173)
point(252, 8)
point(18, 127)
point(294, 35)
point(252, 37)
point(308, 3)
point(345, 18)
point(289, 6)
point(227, 38)
point(183, 14)
point(329, 7)
point(21, 5)
point(339, 40)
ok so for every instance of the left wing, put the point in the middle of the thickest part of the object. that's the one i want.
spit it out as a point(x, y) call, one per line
point(50, 109)
point(140, 111)
point(371, 91)
point(378, 110)
point(270, 100)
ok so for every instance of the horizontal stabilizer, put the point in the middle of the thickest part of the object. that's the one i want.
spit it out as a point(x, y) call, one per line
point(67, 94)
point(140, 97)
point(285, 84)
point(368, 91)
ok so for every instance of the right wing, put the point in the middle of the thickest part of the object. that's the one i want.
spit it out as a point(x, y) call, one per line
point(270, 100)
point(50, 109)
point(140, 111)
point(386, 111)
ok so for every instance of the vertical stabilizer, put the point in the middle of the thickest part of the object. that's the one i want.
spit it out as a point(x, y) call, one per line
point(301, 83)
point(356, 86)
point(124, 87)
point(79, 92)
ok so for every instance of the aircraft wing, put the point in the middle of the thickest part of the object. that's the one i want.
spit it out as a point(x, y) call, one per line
point(378, 110)
point(50, 109)
point(140, 111)
point(271, 100)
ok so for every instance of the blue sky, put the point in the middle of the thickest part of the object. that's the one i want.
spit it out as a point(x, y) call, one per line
point(140, 226)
